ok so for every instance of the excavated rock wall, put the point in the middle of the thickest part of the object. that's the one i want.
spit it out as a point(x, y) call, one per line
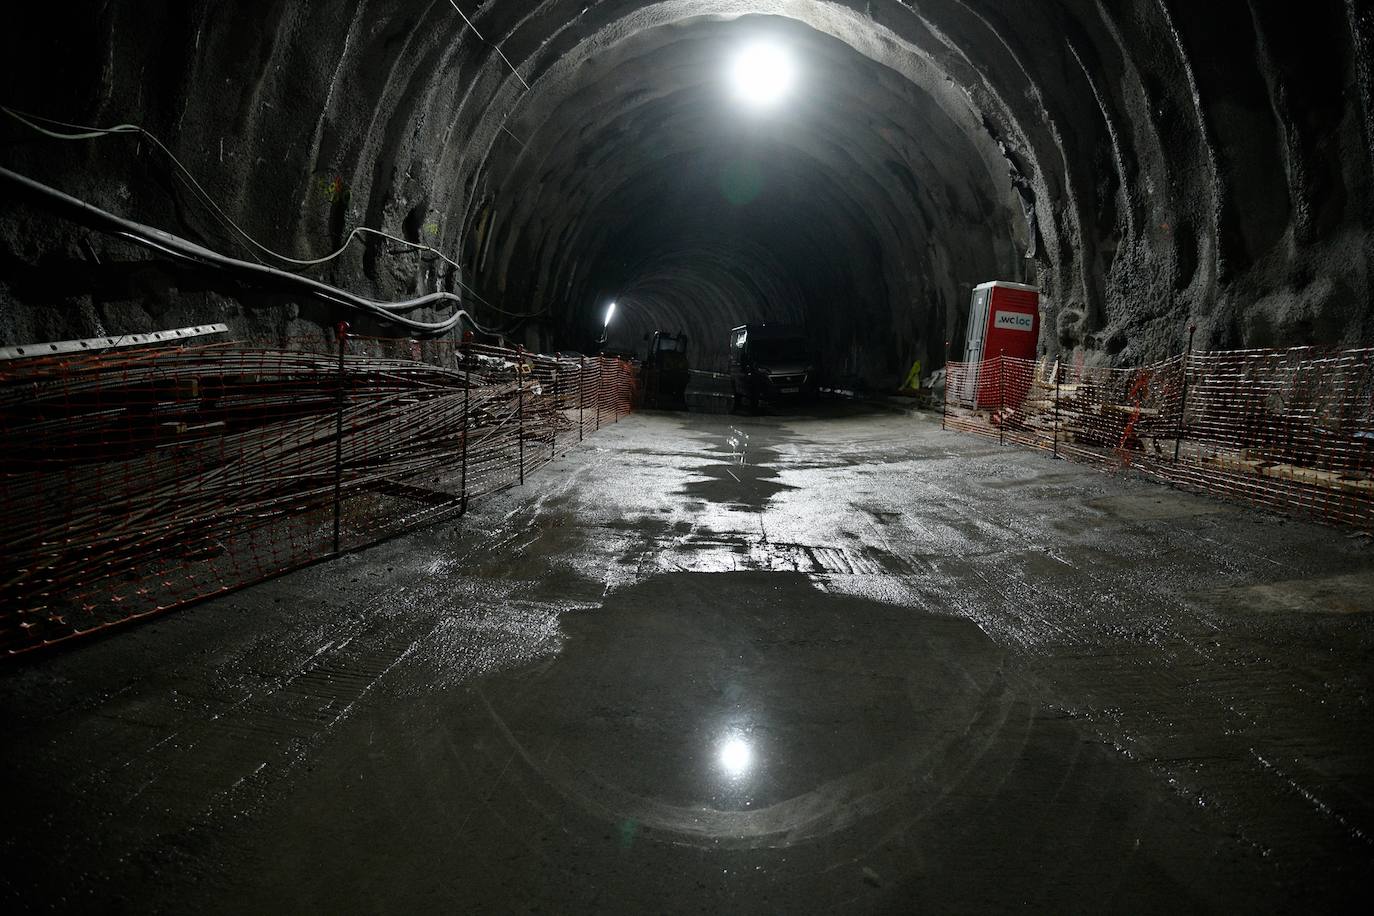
point(1149, 163)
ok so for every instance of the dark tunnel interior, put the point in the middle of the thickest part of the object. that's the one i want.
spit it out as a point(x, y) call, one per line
point(1147, 164)
point(371, 541)
point(698, 214)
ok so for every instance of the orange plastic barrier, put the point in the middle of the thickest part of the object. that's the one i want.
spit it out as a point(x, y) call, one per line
point(1291, 430)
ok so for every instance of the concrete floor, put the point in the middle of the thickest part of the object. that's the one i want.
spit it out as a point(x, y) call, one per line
point(714, 664)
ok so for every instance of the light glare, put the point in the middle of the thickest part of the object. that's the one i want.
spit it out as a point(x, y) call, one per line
point(609, 312)
point(735, 756)
point(762, 74)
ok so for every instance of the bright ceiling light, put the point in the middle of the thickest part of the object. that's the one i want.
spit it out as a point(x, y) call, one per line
point(609, 312)
point(762, 73)
point(736, 756)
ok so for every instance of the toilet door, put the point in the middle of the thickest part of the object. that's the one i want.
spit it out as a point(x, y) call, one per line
point(977, 339)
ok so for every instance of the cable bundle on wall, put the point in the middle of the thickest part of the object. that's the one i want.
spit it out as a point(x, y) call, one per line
point(320, 290)
point(175, 246)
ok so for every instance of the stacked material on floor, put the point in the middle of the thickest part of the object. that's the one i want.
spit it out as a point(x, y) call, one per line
point(135, 481)
point(1287, 429)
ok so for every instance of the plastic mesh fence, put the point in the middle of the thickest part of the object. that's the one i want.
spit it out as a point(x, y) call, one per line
point(135, 482)
point(1291, 430)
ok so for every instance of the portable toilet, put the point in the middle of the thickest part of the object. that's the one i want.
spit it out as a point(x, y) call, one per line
point(1003, 318)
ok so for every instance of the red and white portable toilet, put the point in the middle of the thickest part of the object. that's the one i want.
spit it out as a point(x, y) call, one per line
point(1004, 318)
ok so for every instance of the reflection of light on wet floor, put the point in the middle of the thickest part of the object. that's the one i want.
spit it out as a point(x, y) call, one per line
point(736, 756)
point(739, 441)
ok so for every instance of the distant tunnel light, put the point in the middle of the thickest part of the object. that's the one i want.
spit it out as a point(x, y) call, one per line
point(762, 73)
point(610, 311)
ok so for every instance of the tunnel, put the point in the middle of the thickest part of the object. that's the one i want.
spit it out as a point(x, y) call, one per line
point(332, 326)
point(1145, 164)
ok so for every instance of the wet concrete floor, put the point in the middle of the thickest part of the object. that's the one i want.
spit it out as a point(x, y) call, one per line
point(841, 662)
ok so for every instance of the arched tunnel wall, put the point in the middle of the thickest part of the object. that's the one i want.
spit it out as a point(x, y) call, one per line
point(1147, 162)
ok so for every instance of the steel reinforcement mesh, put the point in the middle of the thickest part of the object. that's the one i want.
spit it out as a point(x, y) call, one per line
point(1291, 430)
point(134, 482)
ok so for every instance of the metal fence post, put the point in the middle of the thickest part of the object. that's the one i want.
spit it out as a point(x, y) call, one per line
point(342, 331)
point(600, 361)
point(944, 402)
point(1056, 407)
point(553, 427)
point(581, 394)
point(520, 407)
point(1364, 380)
point(467, 419)
point(1183, 402)
point(1001, 397)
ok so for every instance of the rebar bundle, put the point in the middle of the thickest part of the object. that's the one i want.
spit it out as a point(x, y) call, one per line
point(137, 481)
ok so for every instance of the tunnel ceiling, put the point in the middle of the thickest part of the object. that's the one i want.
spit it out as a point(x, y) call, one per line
point(694, 213)
point(1146, 162)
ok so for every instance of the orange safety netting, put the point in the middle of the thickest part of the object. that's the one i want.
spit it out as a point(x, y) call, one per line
point(133, 482)
point(1286, 429)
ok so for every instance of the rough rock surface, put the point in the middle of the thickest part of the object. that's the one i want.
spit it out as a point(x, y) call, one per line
point(1147, 162)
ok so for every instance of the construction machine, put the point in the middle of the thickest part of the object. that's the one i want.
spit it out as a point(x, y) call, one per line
point(771, 363)
point(665, 371)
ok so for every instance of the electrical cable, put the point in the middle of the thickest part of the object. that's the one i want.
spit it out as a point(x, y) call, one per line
point(329, 294)
point(495, 46)
point(91, 133)
point(166, 242)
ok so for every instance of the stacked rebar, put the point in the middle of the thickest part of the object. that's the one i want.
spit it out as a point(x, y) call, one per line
point(137, 481)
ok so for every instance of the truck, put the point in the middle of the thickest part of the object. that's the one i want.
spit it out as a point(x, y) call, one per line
point(771, 363)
